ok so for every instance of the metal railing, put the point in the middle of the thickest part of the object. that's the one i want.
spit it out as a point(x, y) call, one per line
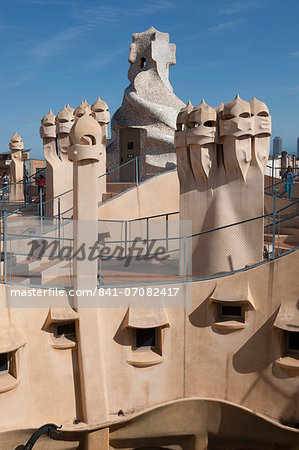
point(132, 172)
point(26, 182)
point(178, 248)
point(212, 253)
point(269, 190)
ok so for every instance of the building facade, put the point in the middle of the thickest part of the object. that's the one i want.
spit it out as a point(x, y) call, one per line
point(277, 146)
point(192, 344)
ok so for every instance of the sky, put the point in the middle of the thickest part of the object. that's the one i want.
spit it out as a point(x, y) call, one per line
point(55, 52)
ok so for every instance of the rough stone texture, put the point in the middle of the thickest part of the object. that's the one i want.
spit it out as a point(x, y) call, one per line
point(16, 168)
point(149, 101)
point(222, 155)
point(59, 172)
point(88, 145)
point(59, 176)
point(99, 111)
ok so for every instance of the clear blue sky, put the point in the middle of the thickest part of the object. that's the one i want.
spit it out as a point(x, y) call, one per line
point(55, 52)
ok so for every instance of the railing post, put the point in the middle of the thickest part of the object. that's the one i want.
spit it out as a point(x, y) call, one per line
point(147, 234)
point(5, 245)
point(136, 167)
point(59, 221)
point(100, 276)
point(273, 162)
point(273, 225)
point(126, 236)
point(167, 232)
point(278, 233)
point(184, 260)
point(41, 210)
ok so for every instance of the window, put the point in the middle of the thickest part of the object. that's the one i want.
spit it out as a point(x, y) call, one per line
point(231, 312)
point(66, 329)
point(142, 63)
point(147, 339)
point(146, 346)
point(63, 334)
point(8, 364)
point(289, 359)
point(4, 363)
point(292, 342)
point(130, 145)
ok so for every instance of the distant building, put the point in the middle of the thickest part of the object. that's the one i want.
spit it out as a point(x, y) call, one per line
point(31, 165)
point(5, 160)
point(273, 167)
point(277, 146)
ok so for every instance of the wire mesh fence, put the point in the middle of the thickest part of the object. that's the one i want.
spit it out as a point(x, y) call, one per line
point(281, 188)
point(140, 168)
point(227, 249)
point(22, 191)
point(40, 252)
point(115, 181)
point(31, 248)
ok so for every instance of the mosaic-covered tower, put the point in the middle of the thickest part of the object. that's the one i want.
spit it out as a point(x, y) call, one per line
point(146, 120)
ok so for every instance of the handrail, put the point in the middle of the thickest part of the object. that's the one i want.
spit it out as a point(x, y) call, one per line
point(280, 220)
point(150, 217)
point(288, 206)
point(24, 179)
point(118, 167)
point(279, 182)
point(57, 196)
point(229, 225)
point(132, 161)
point(187, 236)
point(279, 159)
point(243, 269)
point(20, 208)
point(165, 215)
point(26, 236)
point(177, 212)
point(11, 237)
point(6, 189)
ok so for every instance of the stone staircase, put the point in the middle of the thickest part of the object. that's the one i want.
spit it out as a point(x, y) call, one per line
point(39, 272)
point(115, 188)
point(288, 228)
point(283, 243)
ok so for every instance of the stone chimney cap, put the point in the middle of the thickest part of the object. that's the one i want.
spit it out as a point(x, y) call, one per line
point(258, 108)
point(16, 138)
point(99, 105)
point(48, 119)
point(82, 109)
point(65, 114)
point(236, 108)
